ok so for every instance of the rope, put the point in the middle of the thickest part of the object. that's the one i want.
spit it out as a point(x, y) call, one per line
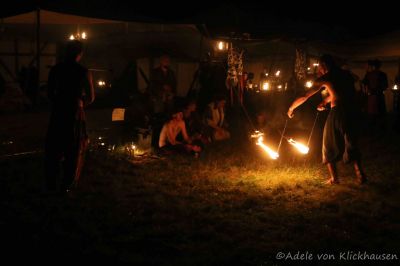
point(315, 121)
point(283, 133)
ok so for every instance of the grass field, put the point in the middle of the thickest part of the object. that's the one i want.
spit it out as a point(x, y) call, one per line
point(232, 206)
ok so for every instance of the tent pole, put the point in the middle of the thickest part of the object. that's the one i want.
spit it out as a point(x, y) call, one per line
point(38, 45)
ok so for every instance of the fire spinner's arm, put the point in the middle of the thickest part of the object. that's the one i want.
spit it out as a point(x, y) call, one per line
point(325, 101)
point(299, 101)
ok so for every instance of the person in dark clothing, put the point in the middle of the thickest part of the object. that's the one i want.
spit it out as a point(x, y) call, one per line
point(70, 89)
point(396, 103)
point(2, 85)
point(375, 83)
point(194, 124)
point(339, 137)
point(163, 86)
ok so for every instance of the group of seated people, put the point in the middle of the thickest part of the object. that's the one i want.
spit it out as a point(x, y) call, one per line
point(187, 131)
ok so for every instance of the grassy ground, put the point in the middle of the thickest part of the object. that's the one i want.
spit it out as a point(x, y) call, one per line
point(232, 206)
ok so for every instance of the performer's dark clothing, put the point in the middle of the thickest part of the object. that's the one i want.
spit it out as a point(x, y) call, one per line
point(66, 137)
point(339, 138)
point(159, 78)
point(376, 83)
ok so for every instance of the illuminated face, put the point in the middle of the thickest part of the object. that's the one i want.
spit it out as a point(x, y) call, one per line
point(178, 116)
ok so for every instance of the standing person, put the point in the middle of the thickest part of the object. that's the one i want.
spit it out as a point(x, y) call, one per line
point(163, 86)
point(376, 82)
point(70, 89)
point(162, 90)
point(339, 140)
point(396, 102)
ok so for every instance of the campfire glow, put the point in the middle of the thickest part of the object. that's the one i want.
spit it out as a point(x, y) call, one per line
point(299, 146)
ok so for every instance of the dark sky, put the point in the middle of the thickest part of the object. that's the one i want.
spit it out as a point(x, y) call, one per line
point(324, 19)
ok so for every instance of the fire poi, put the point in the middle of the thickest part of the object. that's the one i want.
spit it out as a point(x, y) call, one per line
point(302, 148)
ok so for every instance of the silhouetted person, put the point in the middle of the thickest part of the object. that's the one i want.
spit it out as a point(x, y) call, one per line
point(2, 85)
point(70, 89)
point(339, 140)
point(163, 86)
point(375, 82)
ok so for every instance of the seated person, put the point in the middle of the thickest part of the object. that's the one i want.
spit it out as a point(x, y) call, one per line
point(261, 122)
point(215, 119)
point(168, 142)
point(194, 125)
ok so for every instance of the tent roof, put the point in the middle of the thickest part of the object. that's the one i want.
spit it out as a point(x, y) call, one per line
point(314, 21)
point(50, 17)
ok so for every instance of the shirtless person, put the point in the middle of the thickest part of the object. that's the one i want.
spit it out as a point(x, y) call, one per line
point(339, 132)
point(171, 129)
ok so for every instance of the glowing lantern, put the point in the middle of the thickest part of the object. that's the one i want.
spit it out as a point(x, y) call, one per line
point(265, 86)
point(309, 84)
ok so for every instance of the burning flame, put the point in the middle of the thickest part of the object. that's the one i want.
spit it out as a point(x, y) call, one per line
point(278, 73)
point(268, 150)
point(265, 86)
point(299, 146)
point(395, 87)
point(257, 134)
point(309, 84)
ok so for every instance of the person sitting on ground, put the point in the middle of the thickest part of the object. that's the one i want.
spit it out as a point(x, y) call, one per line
point(168, 142)
point(194, 125)
point(215, 119)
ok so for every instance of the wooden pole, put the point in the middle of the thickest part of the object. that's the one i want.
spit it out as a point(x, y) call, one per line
point(38, 45)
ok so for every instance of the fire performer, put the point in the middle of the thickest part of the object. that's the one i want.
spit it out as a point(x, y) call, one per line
point(70, 88)
point(339, 139)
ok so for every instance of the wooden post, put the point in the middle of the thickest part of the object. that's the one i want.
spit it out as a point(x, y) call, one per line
point(16, 50)
point(38, 45)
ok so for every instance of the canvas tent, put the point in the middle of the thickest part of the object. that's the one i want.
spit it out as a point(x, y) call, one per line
point(110, 47)
point(272, 41)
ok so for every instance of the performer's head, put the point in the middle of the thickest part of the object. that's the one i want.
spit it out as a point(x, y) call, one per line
point(326, 63)
point(74, 50)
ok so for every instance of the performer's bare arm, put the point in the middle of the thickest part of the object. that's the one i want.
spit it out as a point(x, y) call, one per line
point(299, 101)
point(325, 101)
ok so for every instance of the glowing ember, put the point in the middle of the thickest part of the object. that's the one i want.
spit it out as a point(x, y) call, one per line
point(268, 150)
point(299, 146)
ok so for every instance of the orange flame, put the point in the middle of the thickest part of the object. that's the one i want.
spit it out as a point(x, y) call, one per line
point(274, 155)
point(299, 146)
